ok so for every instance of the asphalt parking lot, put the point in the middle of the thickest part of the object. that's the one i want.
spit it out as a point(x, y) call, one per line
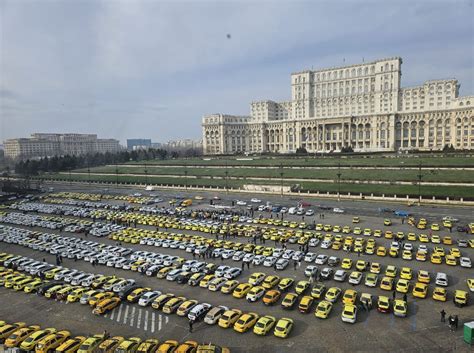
point(373, 331)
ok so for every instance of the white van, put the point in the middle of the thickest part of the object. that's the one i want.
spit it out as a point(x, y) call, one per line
point(292, 210)
point(214, 314)
point(198, 311)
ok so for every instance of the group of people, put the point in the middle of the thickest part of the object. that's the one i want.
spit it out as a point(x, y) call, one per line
point(453, 320)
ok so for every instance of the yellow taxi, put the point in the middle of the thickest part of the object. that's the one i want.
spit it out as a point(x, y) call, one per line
point(461, 298)
point(245, 322)
point(455, 252)
point(129, 345)
point(91, 344)
point(400, 308)
point(387, 222)
point(391, 271)
point(424, 276)
point(381, 251)
point(436, 259)
point(349, 297)
point(440, 294)
point(241, 290)
point(383, 304)
point(270, 282)
point(450, 260)
point(109, 345)
point(20, 335)
point(402, 285)
point(32, 340)
point(283, 327)
point(264, 325)
point(229, 286)
point(447, 240)
point(168, 346)
point(420, 290)
point(256, 278)
point(323, 309)
point(375, 268)
point(150, 345)
point(406, 273)
point(289, 301)
point(52, 341)
point(386, 283)
point(285, 284)
point(420, 256)
point(71, 345)
point(229, 318)
point(301, 287)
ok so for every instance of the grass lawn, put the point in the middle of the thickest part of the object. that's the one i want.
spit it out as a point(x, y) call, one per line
point(460, 176)
point(400, 190)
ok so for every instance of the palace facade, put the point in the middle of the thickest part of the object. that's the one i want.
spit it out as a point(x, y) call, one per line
point(360, 106)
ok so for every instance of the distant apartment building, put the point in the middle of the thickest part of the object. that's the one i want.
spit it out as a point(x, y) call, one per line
point(138, 144)
point(361, 106)
point(183, 144)
point(47, 145)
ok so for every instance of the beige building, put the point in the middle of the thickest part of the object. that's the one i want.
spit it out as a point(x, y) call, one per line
point(361, 106)
point(46, 145)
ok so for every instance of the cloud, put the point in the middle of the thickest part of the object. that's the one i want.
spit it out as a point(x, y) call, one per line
point(154, 68)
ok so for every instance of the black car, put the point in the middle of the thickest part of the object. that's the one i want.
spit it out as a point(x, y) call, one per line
point(41, 290)
point(184, 277)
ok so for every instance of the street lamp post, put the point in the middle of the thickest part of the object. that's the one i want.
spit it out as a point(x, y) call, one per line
point(146, 174)
point(226, 179)
point(281, 179)
point(339, 182)
point(116, 174)
point(420, 177)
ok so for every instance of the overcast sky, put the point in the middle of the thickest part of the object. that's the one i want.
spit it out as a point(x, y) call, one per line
point(152, 69)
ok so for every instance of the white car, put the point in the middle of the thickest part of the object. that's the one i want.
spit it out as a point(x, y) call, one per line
point(465, 262)
point(313, 242)
point(321, 259)
point(326, 244)
point(350, 317)
point(258, 260)
point(241, 203)
point(255, 200)
point(355, 277)
point(422, 247)
point(277, 252)
point(298, 256)
point(248, 258)
point(238, 256)
point(408, 246)
point(173, 274)
point(326, 273)
point(269, 261)
point(338, 210)
point(147, 298)
point(310, 271)
point(310, 257)
point(281, 264)
point(232, 273)
point(288, 254)
point(227, 254)
point(449, 218)
point(220, 271)
point(340, 275)
point(441, 279)
point(215, 314)
point(199, 311)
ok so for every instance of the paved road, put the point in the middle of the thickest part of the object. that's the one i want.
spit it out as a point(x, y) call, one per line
point(373, 332)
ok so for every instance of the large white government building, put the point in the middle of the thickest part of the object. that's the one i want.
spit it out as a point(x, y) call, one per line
point(361, 106)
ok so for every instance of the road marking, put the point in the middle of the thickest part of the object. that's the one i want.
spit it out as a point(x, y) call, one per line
point(106, 315)
point(166, 319)
point(152, 322)
point(139, 319)
point(159, 322)
point(112, 314)
point(125, 316)
point(132, 316)
point(413, 318)
point(119, 312)
point(145, 325)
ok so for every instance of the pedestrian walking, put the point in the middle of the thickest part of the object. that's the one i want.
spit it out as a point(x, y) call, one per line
point(451, 322)
point(405, 298)
point(248, 265)
point(394, 295)
point(243, 265)
point(294, 265)
point(191, 326)
point(456, 322)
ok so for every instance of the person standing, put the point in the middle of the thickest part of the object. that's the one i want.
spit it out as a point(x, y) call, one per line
point(456, 322)
point(191, 322)
point(394, 295)
point(405, 298)
point(443, 315)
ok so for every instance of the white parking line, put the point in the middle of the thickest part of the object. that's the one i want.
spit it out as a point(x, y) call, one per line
point(166, 319)
point(132, 316)
point(159, 322)
point(152, 322)
point(145, 325)
point(112, 314)
point(125, 316)
point(139, 320)
point(119, 312)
